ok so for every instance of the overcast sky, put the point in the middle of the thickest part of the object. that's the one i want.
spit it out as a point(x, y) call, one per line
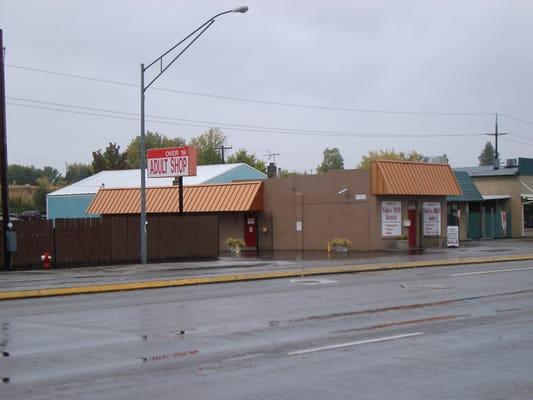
point(465, 60)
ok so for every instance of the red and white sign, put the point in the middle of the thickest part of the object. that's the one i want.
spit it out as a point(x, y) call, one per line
point(171, 161)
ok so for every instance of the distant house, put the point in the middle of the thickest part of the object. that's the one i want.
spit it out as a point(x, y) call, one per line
point(72, 201)
point(509, 189)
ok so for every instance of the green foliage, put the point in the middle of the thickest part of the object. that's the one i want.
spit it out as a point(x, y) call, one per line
point(242, 156)
point(52, 174)
point(340, 242)
point(19, 204)
point(39, 198)
point(78, 171)
point(234, 242)
point(110, 159)
point(206, 145)
point(487, 156)
point(152, 140)
point(366, 160)
point(28, 175)
point(332, 160)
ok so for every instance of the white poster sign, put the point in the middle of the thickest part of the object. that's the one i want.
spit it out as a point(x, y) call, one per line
point(431, 218)
point(453, 236)
point(391, 218)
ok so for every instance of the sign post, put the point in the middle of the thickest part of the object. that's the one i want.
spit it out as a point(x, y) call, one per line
point(172, 162)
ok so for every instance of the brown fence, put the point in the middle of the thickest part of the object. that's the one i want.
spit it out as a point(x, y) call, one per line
point(115, 240)
point(33, 238)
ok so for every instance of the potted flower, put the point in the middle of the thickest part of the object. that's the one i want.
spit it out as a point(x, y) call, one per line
point(340, 245)
point(234, 245)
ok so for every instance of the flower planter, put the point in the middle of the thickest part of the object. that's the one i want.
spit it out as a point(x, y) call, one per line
point(402, 244)
point(234, 249)
point(340, 249)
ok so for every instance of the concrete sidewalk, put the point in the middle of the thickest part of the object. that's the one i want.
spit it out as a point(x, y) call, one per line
point(40, 283)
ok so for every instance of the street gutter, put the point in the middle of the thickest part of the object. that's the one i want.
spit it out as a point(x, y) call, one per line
point(251, 276)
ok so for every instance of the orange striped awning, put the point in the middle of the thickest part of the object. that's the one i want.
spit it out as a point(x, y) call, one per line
point(413, 179)
point(228, 197)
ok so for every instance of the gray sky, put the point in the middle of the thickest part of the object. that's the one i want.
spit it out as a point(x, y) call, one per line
point(413, 56)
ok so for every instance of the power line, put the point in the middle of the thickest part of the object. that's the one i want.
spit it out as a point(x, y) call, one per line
point(237, 127)
point(516, 119)
point(250, 100)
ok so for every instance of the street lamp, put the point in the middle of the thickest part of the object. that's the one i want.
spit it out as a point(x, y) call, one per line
point(162, 68)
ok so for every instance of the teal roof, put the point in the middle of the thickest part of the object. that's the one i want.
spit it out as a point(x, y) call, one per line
point(470, 192)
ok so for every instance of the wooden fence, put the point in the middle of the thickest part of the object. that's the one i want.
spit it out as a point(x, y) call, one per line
point(114, 240)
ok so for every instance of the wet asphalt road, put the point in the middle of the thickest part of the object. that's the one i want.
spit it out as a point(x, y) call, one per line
point(438, 333)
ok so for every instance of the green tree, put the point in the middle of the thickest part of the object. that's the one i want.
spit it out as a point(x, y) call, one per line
point(39, 198)
point(78, 171)
point(111, 158)
point(152, 140)
point(332, 160)
point(206, 145)
point(52, 174)
point(487, 156)
point(242, 156)
point(22, 174)
point(366, 160)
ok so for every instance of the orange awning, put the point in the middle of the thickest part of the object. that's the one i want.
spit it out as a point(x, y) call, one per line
point(228, 197)
point(413, 179)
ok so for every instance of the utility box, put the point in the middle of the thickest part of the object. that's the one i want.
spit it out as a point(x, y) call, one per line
point(11, 241)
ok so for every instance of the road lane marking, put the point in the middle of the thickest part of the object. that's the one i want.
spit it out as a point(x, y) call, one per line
point(350, 344)
point(492, 271)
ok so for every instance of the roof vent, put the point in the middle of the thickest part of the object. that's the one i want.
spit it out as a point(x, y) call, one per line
point(511, 163)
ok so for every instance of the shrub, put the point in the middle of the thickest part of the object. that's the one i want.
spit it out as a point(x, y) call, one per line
point(337, 242)
point(234, 242)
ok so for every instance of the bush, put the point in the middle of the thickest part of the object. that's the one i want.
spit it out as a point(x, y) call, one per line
point(338, 242)
point(234, 242)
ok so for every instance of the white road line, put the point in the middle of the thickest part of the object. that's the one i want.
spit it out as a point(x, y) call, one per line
point(492, 271)
point(339, 346)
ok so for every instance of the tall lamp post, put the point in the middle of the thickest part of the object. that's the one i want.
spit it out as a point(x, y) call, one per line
point(162, 68)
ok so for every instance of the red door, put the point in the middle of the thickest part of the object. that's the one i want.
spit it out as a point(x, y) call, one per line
point(250, 237)
point(411, 237)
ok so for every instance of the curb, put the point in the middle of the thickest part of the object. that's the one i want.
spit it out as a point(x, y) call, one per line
point(252, 276)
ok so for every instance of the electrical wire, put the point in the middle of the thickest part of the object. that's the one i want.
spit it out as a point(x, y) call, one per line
point(256, 101)
point(234, 127)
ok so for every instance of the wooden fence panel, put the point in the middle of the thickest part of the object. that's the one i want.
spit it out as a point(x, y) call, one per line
point(33, 238)
point(115, 240)
point(174, 237)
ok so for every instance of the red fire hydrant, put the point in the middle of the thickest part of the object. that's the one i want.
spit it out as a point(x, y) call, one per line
point(46, 258)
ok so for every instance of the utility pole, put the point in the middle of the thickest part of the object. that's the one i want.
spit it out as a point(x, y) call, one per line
point(496, 134)
point(3, 156)
point(271, 156)
point(222, 148)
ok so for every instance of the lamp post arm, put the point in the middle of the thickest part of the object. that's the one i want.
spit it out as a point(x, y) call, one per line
point(160, 59)
point(202, 28)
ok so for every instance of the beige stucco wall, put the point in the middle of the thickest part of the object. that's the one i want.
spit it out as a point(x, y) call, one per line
point(325, 214)
point(509, 185)
point(230, 225)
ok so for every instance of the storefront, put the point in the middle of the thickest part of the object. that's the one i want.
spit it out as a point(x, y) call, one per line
point(392, 205)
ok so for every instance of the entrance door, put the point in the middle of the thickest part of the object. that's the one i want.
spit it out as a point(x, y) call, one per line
point(411, 237)
point(250, 232)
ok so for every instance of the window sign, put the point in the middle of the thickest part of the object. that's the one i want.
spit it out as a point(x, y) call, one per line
point(431, 218)
point(391, 218)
